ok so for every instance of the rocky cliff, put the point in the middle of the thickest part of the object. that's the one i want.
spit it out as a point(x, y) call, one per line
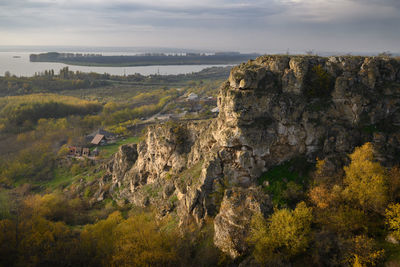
point(272, 109)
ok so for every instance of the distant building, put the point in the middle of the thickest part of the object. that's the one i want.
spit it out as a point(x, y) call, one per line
point(81, 152)
point(86, 152)
point(72, 150)
point(99, 139)
point(107, 135)
point(78, 151)
point(192, 97)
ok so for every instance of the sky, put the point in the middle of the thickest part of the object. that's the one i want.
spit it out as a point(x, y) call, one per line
point(219, 25)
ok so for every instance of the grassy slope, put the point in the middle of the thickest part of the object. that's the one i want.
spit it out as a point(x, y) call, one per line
point(109, 149)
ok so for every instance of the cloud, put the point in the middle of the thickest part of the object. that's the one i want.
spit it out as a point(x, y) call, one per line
point(231, 24)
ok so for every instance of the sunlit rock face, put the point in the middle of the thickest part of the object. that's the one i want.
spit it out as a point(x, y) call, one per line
point(272, 109)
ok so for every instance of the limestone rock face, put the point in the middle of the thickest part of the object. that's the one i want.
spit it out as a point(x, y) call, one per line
point(272, 109)
point(232, 223)
point(123, 161)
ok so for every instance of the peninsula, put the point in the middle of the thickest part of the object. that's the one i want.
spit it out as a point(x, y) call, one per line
point(148, 59)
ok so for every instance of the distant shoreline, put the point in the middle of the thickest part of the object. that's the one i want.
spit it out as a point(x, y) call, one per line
point(95, 60)
point(87, 64)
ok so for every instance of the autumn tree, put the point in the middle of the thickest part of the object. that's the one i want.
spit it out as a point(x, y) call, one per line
point(97, 240)
point(364, 252)
point(393, 219)
point(46, 243)
point(366, 180)
point(140, 242)
point(285, 235)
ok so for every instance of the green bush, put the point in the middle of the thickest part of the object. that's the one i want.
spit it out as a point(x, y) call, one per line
point(319, 83)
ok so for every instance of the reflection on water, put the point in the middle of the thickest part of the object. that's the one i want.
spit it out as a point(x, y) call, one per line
point(17, 63)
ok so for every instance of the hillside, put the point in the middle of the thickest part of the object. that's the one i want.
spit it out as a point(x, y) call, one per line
point(299, 168)
point(273, 110)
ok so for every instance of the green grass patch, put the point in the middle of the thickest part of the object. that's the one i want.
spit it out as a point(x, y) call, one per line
point(93, 176)
point(108, 150)
point(392, 251)
point(173, 199)
point(191, 176)
point(370, 129)
point(152, 190)
point(285, 181)
point(62, 178)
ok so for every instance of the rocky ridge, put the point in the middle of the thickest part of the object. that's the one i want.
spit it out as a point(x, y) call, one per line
point(272, 109)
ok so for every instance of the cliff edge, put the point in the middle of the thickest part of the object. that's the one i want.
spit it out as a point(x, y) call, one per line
point(272, 109)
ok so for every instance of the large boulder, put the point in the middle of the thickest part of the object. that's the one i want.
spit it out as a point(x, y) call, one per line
point(232, 224)
point(123, 161)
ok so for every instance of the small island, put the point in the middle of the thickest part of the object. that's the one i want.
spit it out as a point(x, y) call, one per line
point(148, 59)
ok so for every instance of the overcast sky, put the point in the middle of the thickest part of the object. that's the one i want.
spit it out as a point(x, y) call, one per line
point(241, 25)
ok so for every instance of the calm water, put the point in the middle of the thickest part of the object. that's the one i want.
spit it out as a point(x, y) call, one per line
point(23, 67)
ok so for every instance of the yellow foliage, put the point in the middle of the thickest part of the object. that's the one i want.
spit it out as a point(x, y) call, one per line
point(43, 98)
point(140, 243)
point(52, 206)
point(286, 235)
point(393, 219)
point(110, 107)
point(45, 242)
point(136, 241)
point(98, 240)
point(366, 180)
point(343, 219)
point(364, 252)
point(321, 197)
point(319, 166)
point(357, 262)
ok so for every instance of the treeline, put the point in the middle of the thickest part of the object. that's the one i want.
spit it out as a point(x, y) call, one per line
point(142, 60)
point(20, 113)
point(139, 106)
point(32, 155)
point(47, 230)
point(33, 128)
point(48, 81)
point(343, 218)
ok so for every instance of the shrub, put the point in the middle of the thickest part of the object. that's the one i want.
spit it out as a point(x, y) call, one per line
point(319, 83)
point(286, 235)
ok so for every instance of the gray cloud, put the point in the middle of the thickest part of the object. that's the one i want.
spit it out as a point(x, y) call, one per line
point(262, 25)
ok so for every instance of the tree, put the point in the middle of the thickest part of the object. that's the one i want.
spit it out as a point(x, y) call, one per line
point(8, 242)
point(286, 235)
point(321, 196)
point(394, 183)
point(140, 242)
point(393, 219)
point(97, 240)
point(46, 243)
point(52, 206)
point(366, 180)
point(363, 252)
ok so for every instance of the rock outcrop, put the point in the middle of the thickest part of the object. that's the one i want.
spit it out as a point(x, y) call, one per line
point(272, 109)
point(233, 220)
